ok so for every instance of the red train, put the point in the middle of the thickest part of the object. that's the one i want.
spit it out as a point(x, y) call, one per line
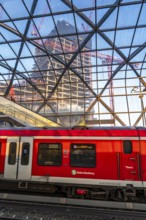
point(97, 163)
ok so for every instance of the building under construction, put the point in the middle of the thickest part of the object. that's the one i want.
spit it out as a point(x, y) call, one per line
point(66, 92)
point(67, 95)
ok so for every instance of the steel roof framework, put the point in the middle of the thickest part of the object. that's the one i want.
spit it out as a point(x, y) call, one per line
point(14, 70)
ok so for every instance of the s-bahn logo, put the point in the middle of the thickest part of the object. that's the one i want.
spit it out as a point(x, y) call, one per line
point(74, 172)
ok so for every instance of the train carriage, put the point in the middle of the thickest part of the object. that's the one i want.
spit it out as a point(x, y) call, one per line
point(82, 162)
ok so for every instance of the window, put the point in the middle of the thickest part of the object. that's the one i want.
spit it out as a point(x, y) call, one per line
point(127, 146)
point(0, 150)
point(12, 153)
point(50, 154)
point(83, 155)
point(25, 154)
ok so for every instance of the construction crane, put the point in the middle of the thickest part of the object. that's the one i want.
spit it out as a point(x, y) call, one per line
point(90, 17)
point(106, 59)
point(35, 31)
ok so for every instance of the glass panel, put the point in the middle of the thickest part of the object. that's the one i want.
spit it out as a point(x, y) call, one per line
point(90, 15)
point(127, 147)
point(105, 2)
point(25, 154)
point(50, 154)
point(142, 19)
point(66, 25)
point(12, 153)
point(28, 4)
point(129, 19)
point(139, 37)
point(59, 6)
point(20, 25)
point(82, 26)
point(110, 22)
point(6, 51)
point(0, 150)
point(15, 8)
point(127, 36)
point(83, 155)
point(9, 36)
point(84, 4)
point(42, 8)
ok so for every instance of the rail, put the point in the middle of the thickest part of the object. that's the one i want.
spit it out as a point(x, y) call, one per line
point(24, 115)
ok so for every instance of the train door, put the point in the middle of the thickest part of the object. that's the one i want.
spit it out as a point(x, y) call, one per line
point(25, 158)
point(18, 159)
point(129, 162)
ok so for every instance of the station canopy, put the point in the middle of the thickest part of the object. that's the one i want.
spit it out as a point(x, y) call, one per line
point(75, 61)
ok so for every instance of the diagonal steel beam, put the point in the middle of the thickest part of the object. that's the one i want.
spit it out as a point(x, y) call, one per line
point(24, 38)
point(68, 66)
point(117, 70)
point(85, 18)
point(29, 82)
point(125, 60)
point(139, 117)
point(21, 48)
point(69, 4)
point(112, 112)
point(82, 15)
point(96, 29)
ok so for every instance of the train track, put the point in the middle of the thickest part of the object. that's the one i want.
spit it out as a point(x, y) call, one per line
point(22, 206)
point(31, 211)
point(27, 197)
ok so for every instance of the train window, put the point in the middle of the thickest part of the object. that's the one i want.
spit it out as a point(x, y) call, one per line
point(50, 154)
point(12, 153)
point(25, 153)
point(0, 150)
point(83, 155)
point(127, 147)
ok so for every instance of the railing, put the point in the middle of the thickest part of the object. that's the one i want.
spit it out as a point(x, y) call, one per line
point(23, 115)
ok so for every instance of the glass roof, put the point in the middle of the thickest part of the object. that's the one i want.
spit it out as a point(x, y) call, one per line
point(74, 61)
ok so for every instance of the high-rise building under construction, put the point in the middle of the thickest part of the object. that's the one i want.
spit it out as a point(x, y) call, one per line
point(71, 92)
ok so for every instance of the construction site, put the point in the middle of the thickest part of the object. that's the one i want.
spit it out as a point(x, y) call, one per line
point(71, 64)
